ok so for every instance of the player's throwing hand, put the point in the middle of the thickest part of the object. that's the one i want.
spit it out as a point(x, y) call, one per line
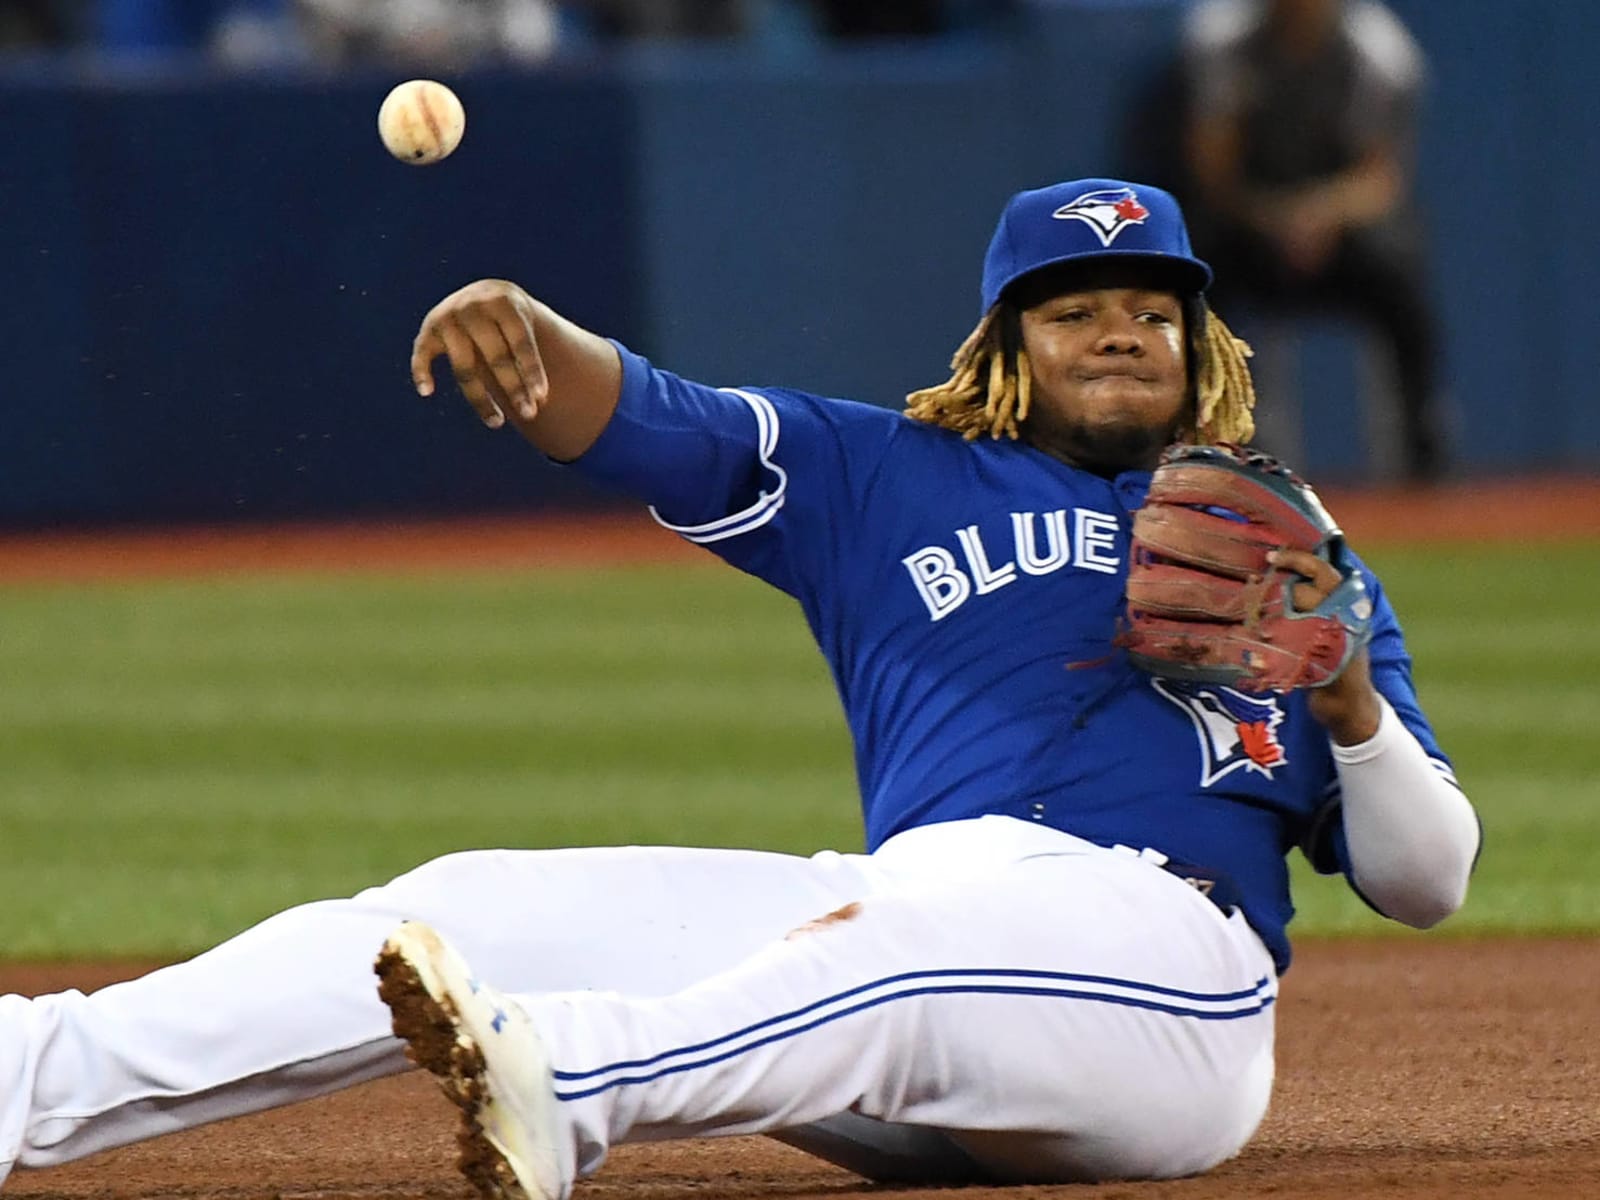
point(487, 329)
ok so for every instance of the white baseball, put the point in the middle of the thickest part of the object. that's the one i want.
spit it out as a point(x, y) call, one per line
point(421, 121)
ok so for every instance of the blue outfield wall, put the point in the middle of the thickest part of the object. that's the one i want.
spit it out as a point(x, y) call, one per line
point(212, 286)
point(1514, 169)
point(212, 282)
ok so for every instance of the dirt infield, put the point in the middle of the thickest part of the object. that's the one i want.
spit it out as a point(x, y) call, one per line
point(1409, 1068)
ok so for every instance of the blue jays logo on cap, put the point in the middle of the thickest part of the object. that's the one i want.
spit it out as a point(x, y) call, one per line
point(1088, 219)
point(1108, 212)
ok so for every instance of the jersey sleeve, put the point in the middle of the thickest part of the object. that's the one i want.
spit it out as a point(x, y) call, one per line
point(1324, 845)
point(762, 477)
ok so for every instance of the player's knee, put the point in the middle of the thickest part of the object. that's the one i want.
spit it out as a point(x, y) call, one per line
point(430, 878)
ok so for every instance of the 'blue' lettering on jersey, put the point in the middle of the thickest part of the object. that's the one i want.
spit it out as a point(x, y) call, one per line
point(945, 586)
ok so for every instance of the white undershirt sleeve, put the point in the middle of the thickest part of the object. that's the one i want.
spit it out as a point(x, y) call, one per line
point(1413, 836)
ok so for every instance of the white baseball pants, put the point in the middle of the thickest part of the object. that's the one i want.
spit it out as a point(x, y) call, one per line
point(982, 999)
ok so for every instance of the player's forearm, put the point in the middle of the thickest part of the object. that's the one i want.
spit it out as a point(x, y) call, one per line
point(1349, 708)
point(585, 377)
point(1412, 835)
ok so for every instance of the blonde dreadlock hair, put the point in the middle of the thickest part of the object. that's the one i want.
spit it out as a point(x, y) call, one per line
point(990, 383)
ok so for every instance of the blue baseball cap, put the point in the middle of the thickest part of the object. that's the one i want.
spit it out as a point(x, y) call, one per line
point(1087, 219)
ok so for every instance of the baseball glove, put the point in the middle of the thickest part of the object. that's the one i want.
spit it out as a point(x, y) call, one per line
point(1203, 602)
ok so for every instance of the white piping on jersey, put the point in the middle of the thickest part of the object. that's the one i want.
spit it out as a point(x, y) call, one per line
point(767, 503)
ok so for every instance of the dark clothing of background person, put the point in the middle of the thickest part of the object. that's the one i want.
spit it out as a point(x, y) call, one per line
point(37, 24)
point(1300, 129)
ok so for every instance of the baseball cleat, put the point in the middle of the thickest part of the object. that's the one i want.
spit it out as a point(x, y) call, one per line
point(488, 1059)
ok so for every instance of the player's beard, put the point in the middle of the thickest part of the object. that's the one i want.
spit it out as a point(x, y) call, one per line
point(1105, 448)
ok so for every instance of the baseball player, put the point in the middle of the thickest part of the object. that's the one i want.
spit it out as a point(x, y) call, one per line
point(1057, 959)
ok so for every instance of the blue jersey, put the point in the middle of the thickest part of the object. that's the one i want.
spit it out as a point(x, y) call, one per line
point(966, 596)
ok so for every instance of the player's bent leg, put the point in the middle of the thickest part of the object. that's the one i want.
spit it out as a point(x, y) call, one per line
point(287, 1010)
point(494, 1067)
point(1064, 1016)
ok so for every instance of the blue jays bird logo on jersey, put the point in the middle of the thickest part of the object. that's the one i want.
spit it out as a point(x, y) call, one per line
point(1236, 731)
point(1108, 212)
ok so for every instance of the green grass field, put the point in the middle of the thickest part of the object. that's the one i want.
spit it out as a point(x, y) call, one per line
point(181, 759)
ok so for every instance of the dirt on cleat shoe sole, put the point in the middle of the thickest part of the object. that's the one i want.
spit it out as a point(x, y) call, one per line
point(505, 1141)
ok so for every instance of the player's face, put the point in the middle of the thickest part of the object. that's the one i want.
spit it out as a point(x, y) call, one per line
point(1110, 378)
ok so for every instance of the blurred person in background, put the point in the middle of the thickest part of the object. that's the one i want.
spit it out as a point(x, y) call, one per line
point(881, 18)
point(631, 20)
point(37, 24)
point(233, 32)
point(853, 19)
point(455, 33)
point(463, 33)
point(440, 33)
point(1301, 119)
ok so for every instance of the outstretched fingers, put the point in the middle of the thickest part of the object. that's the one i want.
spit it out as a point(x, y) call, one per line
point(487, 331)
point(427, 347)
point(476, 382)
point(515, 322)
point(506, 363)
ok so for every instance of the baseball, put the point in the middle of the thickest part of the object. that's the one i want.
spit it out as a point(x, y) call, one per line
point(421, 121)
